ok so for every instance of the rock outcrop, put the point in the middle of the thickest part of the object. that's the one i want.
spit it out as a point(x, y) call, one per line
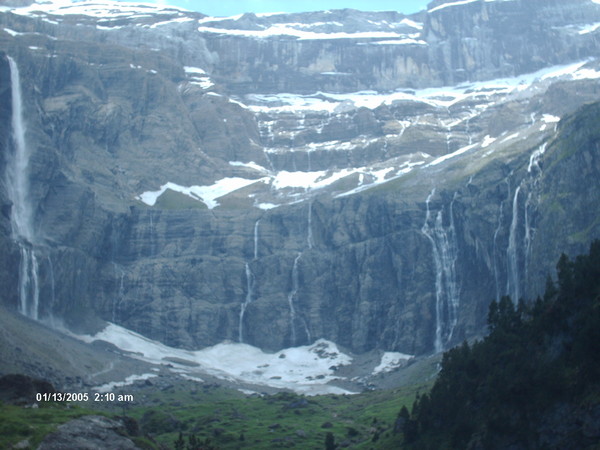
point(89, 432)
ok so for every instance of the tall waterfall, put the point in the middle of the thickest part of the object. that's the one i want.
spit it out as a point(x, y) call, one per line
point(512, 279)
point(256, 224)
point(17, 185)
point(292, 297)
point(443, 243)
point(250, 281)
point(309, 236)
point(247, 301)
point(535, 173)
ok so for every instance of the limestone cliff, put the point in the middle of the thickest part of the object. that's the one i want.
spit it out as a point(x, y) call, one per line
point(198, 180)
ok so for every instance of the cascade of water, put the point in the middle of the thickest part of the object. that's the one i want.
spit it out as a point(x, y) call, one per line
point(448, 137)
point(17, 186)
point(534, 159)
point(528, 233)
point(116, 303)
point(495, 243)
point(427, 231)
point(17, 171)
point(309, 237)
point(256, 224)
point(512, 281)
point(535, 172)
point(29, 291)
point(468, 131)
point(268, 158)
point(443, 244)
point(52, 287)
point(449, 256)
point(247, 301)
point(292, 296)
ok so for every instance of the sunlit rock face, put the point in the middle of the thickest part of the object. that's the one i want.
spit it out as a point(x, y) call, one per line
point(372, 179)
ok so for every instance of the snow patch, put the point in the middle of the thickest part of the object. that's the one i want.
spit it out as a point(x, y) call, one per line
point(391, 361)
point(249, 165)
point(487, 141)
point(205, 194)
point(463, 2)
point(292, 29)
point(458, 152)
point(306, 369)
point(549, 118)
point(589, 28)
point(108, 387)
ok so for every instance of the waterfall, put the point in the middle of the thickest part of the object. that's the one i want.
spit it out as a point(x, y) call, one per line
point(468, 130)
point(29, 290)
point(496, 275)
point(116, 303)
point(512, 281)
point(444, 247)
point(52, 287)
point(250, 282)
point(309, 237)
point(292, 296)
point(534, 159)
point(256, 224)
point(535, 173)
point(17, 186)
point(247, 301)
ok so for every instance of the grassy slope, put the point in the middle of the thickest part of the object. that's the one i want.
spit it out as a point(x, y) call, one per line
point(232, 420)
point(18, 424)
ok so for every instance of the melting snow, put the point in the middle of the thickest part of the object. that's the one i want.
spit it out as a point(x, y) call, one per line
point(305, 369)
point(589, 28)
point(13, 32)
point(442, 97)
point(129, 380)
point(292, 29)
point(106, 9)
point(548, 118)
point(463, 2)
point(460, 151)
point(487, 141)
point(391, 361)
point(205, 194)
point(250, 165)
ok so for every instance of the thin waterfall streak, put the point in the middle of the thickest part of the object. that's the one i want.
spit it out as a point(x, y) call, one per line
point(309, 237)
point(52, 286)
point(35, 288)
point(24, 264)
point(291, 298)
point(256, 225)
point(495, 249)
point(247, 300)
point(512, 285)
point(426, 230)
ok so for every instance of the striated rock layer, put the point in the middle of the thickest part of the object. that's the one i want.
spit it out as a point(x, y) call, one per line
point(199, 180)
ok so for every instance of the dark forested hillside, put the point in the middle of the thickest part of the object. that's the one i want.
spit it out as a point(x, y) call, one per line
point(534, 382)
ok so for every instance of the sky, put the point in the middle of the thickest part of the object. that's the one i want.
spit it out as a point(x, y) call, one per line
point(233, 7)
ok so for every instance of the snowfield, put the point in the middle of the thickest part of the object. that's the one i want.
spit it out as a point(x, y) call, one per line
point(307, 369)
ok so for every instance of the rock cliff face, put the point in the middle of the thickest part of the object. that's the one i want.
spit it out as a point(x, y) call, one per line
point(198, 179)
